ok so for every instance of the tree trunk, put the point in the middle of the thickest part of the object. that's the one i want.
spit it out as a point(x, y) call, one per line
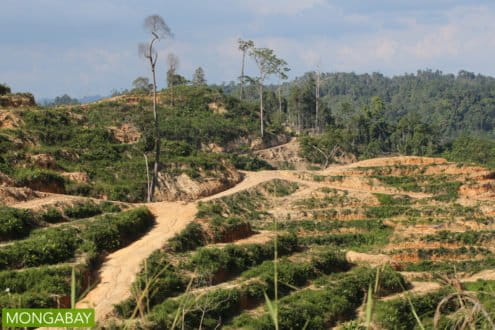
point(154, 181)
point(299, 124)
point(317, 101)
point(261, 111)
point(242, 74)
point(280, 103)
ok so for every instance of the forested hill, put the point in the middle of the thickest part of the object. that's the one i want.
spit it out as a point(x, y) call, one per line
point(463, 102)
point(454, 104)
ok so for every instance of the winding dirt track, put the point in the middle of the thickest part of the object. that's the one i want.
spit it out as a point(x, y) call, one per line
point(120, 268)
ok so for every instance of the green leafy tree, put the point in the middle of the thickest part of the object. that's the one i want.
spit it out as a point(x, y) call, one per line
point(4, 89)
point(199, 77)
point(65, 100)
point(268, 64)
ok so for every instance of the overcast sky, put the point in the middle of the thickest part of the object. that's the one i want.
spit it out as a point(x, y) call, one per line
point(88, 47)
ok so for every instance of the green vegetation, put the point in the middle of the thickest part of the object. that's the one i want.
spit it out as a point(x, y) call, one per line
point(15, 223)
point(83, 139)
point(358, 241)
point(452, 266)
point(441, 186)
point(111, 232)
point(397, 313)
point(4, 89)
point(49, 246)
point(56, 245)
point(234, 259)
point(472, 150)
point(39, 178)
point(468, 237)
point(280, 188)
point(190, 238)
point(337, 298)
point(210, 264)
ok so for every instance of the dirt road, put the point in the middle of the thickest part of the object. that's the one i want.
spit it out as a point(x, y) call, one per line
point(120, 268)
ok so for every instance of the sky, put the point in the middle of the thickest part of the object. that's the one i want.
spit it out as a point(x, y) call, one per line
point(89, 47)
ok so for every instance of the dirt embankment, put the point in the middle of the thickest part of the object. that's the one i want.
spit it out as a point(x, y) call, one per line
point(17, 100)
point(284, 156)
point(184, 187)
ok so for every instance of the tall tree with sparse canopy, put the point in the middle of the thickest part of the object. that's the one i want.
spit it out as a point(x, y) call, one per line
point(158, 29)
point(244, 46)
point(173, 78)
point(268, 64)
point(173, 64)
point(199, 77)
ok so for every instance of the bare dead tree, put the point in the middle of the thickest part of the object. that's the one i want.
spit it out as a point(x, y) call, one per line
point(158, 29)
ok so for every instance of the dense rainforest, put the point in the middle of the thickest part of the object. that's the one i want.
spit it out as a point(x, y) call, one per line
point(427, 113)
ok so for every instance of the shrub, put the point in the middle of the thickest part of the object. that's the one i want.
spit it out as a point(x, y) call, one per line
point(103, 234)
point(14, 223)
point(114, 231)
point(167, 282)
point(224, 228)
point(350, 240)
point(4, 89)
point(330, 261)
point(49, 246)
point(218, 305)
point(249, 163)
point(234, 258)
point(317, 309)
point(397, 314)
point(40, 280)
point(51, 215)
point(110, 207)
point(39, 179)
point(189, 238)
point(280, 188)
point(83, 210)
point(386, 199)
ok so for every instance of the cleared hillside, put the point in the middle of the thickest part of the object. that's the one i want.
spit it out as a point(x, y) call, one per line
point(98, 149)
point(414, 218)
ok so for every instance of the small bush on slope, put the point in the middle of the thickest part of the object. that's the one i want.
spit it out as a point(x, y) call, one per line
point(15, 223)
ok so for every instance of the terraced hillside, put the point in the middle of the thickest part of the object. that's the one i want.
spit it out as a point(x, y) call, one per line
point(45, 239)
point(98, 150)
point(378, 241)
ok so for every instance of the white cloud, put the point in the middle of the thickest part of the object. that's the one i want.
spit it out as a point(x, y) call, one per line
point(306, 33)
point(463, 40)
point(280, 7)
